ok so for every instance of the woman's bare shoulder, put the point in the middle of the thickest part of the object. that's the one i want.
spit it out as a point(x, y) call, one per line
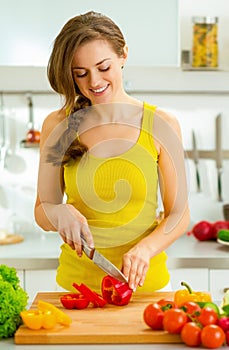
point(170, 118)
point(53, 122)
point(54, 118)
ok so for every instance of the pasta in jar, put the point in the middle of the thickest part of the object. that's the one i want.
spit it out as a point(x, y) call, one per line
point(205, 43)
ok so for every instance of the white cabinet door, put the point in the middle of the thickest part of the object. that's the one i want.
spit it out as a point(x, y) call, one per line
point(197, 278)
point(20, 274)
point(39, 281)
point(219, 281)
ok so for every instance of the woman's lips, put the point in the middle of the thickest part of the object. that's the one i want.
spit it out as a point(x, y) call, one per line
point(100, 90)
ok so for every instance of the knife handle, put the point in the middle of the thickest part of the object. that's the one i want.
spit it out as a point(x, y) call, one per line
point(87, 250)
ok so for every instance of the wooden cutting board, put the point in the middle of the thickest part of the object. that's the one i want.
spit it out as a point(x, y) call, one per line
point(110, 325)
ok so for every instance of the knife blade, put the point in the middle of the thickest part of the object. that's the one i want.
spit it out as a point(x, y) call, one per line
point(102, 262)
point(219, 157)
point(196, 160)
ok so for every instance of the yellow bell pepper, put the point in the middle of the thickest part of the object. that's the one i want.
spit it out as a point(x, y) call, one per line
point(183, 295)
point(36, 319)
point(45, 316)
point(61, 316)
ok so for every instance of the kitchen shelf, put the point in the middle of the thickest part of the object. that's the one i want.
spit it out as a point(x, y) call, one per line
point(25, 144)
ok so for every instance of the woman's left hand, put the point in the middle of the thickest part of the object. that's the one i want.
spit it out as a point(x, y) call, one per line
point(135, 265)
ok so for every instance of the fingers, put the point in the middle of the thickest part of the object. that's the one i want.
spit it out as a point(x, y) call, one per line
point(87, 235)
point(135, 270)
point(72, 236)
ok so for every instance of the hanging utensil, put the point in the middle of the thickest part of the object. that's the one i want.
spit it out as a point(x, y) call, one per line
point(3, 148)
point(219, 157)
point(32, 135)
point(196, 160)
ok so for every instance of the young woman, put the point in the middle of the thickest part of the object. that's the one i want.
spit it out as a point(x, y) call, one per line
point(103, 156)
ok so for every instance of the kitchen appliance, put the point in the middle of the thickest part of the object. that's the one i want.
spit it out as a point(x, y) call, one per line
point(102, 262)
point(108, 325)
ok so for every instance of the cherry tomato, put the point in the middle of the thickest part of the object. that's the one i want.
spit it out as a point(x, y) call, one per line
point(191, 308)
point(207, 316)
point(212, 336)
point(174, 320)
point(191, 334)
point(153, 316)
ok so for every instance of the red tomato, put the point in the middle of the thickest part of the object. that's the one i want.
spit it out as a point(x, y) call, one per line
point(191, 334)
point(166, 303)
point(212, 336)
point(174, 320)
point(207, 316)
point(191, 309)
point(153, 316)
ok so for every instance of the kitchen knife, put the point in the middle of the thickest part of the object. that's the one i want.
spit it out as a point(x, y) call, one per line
point(102, 262)
point(219, 158)
point(196, 160)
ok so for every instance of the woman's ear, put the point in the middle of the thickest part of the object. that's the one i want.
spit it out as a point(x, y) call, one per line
point(125, 55)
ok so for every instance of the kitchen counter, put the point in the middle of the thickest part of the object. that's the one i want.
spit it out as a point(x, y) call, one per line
point(41, 251)
point(9, 345)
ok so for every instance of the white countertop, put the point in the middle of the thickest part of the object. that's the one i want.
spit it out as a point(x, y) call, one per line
point(9, 345)
point(41, 251)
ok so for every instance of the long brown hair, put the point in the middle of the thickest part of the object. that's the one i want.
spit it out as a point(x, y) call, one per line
point(77, 31)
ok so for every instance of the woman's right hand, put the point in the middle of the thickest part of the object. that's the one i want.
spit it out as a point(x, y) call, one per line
point(71, 224)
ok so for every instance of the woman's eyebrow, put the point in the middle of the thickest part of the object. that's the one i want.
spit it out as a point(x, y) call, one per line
point(97, 64)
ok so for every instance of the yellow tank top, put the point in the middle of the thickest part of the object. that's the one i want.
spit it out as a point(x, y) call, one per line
point(118, 196)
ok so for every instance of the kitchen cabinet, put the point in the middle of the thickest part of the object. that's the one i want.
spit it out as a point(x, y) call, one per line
point(39, 280)
point(197, 278)
point(218, 282)
point(20, 274)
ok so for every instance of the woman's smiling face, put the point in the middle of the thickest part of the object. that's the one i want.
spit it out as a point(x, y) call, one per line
point(97, 71)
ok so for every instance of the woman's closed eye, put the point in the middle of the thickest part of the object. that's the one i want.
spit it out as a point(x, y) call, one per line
point(84, 74)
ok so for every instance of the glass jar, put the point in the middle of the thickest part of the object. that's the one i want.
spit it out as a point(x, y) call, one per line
point(205, 42)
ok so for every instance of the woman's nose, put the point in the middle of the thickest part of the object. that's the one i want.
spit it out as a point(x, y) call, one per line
point(94, 79)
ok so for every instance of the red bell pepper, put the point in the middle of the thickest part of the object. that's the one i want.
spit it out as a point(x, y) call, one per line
point(74, 301)
point(116, 292)
point(96, 299)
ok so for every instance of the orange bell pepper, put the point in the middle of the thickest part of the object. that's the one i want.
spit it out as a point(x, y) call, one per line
point(183, 295)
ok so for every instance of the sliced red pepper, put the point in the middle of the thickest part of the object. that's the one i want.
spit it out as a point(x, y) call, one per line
point(116, 292)
point(96, 299)
point(74, 301)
